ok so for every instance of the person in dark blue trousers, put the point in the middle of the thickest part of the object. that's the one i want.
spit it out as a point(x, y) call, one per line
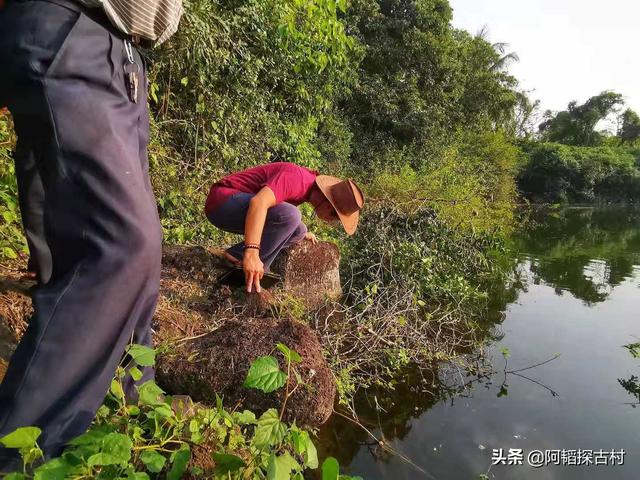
point(65, 75)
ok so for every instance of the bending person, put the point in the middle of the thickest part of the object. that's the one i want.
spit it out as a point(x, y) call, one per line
point(261, 203)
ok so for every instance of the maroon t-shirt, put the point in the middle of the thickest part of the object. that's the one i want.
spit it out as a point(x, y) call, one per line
point(289, 182)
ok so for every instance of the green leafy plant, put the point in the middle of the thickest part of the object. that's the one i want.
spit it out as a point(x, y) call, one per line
point(156, 437)
point(331, 471)
point(634, 349)
point(264, 374)
point(560, 173)
point(12, 242)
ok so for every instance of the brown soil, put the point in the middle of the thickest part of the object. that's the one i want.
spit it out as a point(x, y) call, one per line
point(218, 363)
point(15, 310)
point(218, 328)
point(191, 302)
point(15, 300)
point(189, 297)
point(201, 456)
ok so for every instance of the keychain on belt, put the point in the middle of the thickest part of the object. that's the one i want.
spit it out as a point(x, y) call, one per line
point(131, 69)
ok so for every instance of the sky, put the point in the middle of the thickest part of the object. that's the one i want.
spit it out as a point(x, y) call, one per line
point(568, 49)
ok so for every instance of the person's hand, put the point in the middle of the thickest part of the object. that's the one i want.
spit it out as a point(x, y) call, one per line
point(311, 237)
point(253, 269)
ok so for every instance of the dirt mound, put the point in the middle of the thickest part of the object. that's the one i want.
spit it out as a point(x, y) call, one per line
point(218, 362)
point(189, 294)
point(15, 304)
point(15, 310)
point(206, 322)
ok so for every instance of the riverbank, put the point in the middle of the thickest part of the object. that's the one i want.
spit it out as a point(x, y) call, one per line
point(384, 322)
point(573, 293)
point(576, 265)
point(389, 316)
point(340, 90)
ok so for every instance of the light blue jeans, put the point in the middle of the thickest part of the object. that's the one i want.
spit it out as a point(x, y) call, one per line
point(283, 226)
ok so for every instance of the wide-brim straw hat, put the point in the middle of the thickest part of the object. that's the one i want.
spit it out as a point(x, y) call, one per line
point(346, 198)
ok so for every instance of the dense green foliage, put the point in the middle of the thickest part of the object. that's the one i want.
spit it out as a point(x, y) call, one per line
point(630, 126)
point(563, 173)
point(243, 83)
point(577, 124)
point(387, 85)
point(421, 254)
point(420, 81)
point(11, 239)
point(574, 162)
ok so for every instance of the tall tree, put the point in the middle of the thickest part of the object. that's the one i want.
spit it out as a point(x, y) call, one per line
point(421, 80)
point(630, 126)
point(576, 125)
point(525, 116)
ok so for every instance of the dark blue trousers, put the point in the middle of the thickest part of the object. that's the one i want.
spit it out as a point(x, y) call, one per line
point(85, 141)
point(282, 228)
point(31, 198)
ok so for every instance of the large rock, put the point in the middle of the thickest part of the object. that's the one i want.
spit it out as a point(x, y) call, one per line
point(310, 272)
point(218, 363)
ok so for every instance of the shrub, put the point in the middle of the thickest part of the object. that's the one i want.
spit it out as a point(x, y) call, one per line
point(11, 239)
point(562, 173)
point(471, 185)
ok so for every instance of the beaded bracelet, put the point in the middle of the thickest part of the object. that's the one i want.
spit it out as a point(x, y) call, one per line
point(252, 245)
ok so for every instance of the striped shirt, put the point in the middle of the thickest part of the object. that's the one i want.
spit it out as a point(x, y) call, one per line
point(155, 20)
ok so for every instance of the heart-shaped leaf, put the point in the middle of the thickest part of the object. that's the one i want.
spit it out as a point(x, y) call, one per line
point(264, 374)
point(153, 460)
point(143, 356)
point(23, 437)
point(270, 430)
point(226, 463)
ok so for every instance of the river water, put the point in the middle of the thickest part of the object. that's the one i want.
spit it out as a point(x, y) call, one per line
point(573, 302)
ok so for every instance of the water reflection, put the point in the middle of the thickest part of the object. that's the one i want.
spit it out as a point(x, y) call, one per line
point(584, 251)
point(574, 292)
point(389, 414)
point(632, 384)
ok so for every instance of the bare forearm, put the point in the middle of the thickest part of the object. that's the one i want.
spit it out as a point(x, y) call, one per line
point(253, 227)
point(254, 223)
